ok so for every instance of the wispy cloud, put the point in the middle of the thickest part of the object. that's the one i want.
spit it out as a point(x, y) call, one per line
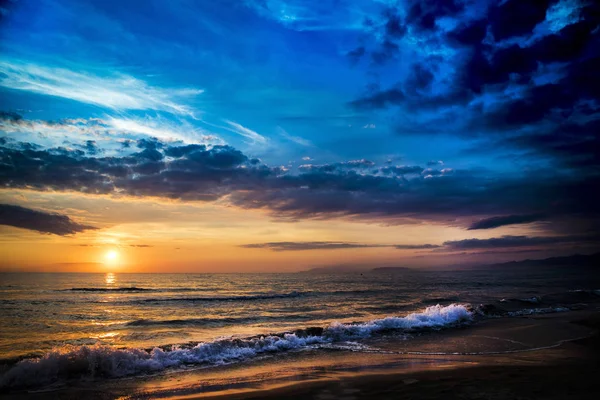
point(416, 246)
point(105, 130)
point(245, 132)
point(311, 16)
point(164, 130)
point(116, 91)
point(295, 139)
point(300, 246)
point(507, 241)
point(495, 222)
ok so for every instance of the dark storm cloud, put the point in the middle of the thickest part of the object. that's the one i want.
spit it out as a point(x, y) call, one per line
point(149, 144)
point(39, 221)
point(10, 116)
point(401, 170)
point(394, 194)
point(553, 109)
point(443, 199)
point(356, 164)
point(516, 17)
point(495, 222)
point(395, 23)
point(183, 150)
point(394, 26)
point(91, 147)
point(423, 14)
point(200, 174)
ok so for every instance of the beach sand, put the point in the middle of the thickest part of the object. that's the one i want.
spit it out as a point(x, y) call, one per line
point(566, 370)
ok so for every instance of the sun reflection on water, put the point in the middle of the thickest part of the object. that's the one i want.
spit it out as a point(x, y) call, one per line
point(110, 278)
point(107, 335)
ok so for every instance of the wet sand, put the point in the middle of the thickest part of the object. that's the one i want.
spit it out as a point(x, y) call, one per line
point(560, 381)
point(564, 369)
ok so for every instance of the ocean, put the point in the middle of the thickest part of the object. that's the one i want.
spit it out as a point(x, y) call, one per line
point(56, 328)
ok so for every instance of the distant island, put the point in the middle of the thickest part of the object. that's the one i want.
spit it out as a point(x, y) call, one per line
point(334, 269)
point(575, 260)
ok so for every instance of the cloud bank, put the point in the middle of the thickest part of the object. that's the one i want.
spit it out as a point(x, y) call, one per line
point(40, 221)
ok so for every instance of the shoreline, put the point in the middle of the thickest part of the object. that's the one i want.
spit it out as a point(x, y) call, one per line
point(506, 382)
point(560, 358)
point(502, 336)
point(566, 370)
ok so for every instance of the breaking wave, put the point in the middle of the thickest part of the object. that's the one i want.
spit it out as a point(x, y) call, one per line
point(106, 362)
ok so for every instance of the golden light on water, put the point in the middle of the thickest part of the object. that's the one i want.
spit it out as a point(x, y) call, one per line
point(110, 279)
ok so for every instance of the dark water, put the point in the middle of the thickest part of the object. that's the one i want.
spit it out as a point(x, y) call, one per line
point(124, 324)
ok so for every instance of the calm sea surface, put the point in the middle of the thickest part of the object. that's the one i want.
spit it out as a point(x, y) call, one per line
point(220, 318)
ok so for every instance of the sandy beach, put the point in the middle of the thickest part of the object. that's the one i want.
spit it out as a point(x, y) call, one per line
point(567, 370)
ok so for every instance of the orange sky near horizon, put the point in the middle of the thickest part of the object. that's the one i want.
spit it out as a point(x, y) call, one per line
point(153, 236)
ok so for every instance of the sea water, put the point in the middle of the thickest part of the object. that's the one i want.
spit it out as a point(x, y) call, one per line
point(63, 326)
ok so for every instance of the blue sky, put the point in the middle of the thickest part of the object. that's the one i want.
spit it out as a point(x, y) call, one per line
point(494, 105)
point(271, 69)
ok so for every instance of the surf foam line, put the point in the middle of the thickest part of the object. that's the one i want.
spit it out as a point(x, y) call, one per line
point(91, 362)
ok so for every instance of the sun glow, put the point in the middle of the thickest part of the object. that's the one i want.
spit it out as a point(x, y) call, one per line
point(111, 257)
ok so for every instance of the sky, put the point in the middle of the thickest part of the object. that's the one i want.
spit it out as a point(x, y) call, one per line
point(281, 135)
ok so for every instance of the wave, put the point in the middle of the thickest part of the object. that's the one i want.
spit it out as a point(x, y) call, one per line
point(557, 299)
point(190, 289)
point(238, 320)
point(438, 300)
point(104, 362)
point(101, 290)
point(531, 300)
point(434, 317)
point(265, 296)
point(534, 311)
point(491, 310)
point(186, 321)
point(132, 289)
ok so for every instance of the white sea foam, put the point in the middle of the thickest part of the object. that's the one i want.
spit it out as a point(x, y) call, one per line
point(105, 361)
point(435, 317)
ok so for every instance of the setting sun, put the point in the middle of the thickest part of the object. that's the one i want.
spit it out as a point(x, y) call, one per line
point(111, 257)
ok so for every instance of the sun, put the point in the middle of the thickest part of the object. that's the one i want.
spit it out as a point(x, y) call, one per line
point(111, 257)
